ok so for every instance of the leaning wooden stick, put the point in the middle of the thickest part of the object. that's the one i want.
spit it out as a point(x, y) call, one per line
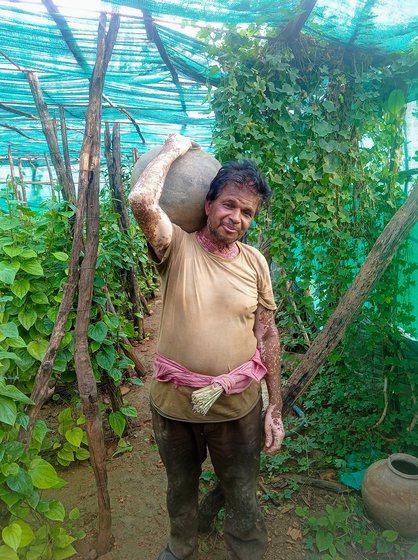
point(372, 269)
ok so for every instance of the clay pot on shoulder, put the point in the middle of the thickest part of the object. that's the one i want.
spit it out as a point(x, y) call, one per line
point(390, 493)
point(186, 185)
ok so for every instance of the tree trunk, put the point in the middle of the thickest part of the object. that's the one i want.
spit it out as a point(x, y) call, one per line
point(372, 269)
point(89, 180)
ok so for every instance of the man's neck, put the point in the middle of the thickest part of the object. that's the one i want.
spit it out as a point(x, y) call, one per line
point(216, 247)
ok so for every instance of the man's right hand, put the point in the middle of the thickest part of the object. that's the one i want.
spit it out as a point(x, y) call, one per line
point(176, 144)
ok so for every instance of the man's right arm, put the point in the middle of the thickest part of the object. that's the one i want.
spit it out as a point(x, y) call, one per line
point(145, 195)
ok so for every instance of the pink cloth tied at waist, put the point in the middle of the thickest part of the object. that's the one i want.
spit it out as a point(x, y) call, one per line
point(235, 381)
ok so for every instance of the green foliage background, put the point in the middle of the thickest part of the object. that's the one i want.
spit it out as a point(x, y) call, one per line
point(326, 128)
point(34, 256)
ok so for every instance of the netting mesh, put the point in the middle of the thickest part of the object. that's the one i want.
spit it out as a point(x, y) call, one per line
point(160, 94)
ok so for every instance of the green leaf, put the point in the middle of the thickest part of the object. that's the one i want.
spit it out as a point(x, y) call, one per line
point(112, 321)
point(8, 411)
point(8, 271)
point(39, 298)
point(65, 456)
point(36, 552)
point(12, 535)
point(9, 330)
point(27, 318)
point(28, 254)
point(60, 256)
point(43, 475)
point(94, 346)
point(135, 381)
point(74, 436)
point(39, 431)
point(115, 374)
point(106, 358)
point(32, 267)
point(21, 287)
point(129, 411)
point(117, 422)
point(12, 251)
point(14, 451)
point(82, 454)
point(14, 393)
point(390, 536)
point(56, 511)
point(63, 553)
point(37, 348)
point(98, 331)
point(16, 342)
point(323, 540)
point(74, 514)
point(27, 533)
point(20, 483)
point(331, 163)
point(10, 499)
point(8, 356)
point(8, 222)
point(396, 101)
point(62, 539)
point(7, 553)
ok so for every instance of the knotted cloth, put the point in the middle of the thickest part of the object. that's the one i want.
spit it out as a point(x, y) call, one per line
point(235, 381)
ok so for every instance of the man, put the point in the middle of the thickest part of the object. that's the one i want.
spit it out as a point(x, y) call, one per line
point(217, 327)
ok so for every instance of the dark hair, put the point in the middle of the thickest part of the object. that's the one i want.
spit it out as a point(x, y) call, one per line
point(242, 172)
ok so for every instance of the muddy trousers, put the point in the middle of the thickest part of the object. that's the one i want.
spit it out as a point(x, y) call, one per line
point(234, 448)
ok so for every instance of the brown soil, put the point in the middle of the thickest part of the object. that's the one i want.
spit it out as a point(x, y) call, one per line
point(137, 486)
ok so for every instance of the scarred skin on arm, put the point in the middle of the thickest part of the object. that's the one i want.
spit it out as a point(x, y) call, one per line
point(268, 344)
point(145, 194)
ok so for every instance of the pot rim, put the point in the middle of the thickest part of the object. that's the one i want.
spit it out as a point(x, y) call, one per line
point(403, 457)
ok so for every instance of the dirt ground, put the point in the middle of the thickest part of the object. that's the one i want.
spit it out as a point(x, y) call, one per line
point(137, 486)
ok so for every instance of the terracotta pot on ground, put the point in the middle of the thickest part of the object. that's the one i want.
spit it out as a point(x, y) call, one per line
point(185, 187)
point(390, 493)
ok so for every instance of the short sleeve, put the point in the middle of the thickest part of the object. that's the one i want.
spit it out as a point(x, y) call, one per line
point(162, 264)
point(264, 285)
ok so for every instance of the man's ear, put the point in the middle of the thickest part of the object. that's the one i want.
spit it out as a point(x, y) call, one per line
point(208, 206)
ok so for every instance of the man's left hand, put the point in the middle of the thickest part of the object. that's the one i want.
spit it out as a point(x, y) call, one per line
point(274, 429)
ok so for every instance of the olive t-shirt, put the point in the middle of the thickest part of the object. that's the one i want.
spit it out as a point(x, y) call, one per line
point(207, 321)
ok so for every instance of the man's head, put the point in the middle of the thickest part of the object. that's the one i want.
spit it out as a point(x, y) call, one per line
point(233, 200)
point(244, 174)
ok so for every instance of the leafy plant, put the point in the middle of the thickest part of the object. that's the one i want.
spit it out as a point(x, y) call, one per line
point(117, 420)
point(332, 533)
point(73, 445)
point(35, 525)
point(327, 131)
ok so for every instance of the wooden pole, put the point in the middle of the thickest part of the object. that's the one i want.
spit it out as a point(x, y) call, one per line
point(89, 180)
point(114, 165)
point(51, 179)
point(49, 128)
point(22, 183)
point(67, 160)
point(12, 173)
point(372, 269)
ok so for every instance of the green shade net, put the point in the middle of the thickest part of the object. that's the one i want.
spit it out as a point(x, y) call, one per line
point(162, 86)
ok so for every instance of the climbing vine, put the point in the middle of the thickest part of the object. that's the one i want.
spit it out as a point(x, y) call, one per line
point(325, 125)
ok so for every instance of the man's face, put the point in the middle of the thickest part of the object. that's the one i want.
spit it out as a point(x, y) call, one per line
point(231, 213)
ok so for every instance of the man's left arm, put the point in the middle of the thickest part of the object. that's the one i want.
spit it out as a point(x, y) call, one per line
point(268, 343)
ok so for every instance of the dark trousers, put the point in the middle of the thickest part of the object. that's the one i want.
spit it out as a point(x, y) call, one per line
point(234, 448)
